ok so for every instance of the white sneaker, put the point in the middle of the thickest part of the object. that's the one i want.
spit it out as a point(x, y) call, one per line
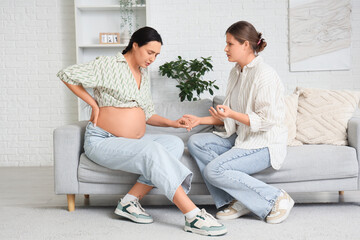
point(233, 211)
point(205, 224)
point(133, 211)
point(281, 209)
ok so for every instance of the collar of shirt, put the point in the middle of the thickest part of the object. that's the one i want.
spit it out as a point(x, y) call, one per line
point(120, 58)
point(251, 64)
point(234, 78)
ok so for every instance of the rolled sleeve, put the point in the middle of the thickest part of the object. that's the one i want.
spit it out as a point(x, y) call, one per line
point(255, 122)
point(65, 78)
point(265, 114)
point(81, 74)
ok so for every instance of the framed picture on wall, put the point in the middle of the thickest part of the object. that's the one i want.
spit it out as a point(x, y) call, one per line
point(319, 35)
point(109, 38)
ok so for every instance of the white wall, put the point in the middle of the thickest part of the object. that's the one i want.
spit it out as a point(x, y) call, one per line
point(197, 28)
point(37, 39)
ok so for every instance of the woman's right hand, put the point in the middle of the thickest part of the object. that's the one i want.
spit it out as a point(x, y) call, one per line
point(80, 91)
point(94, 114)
point(194, 120)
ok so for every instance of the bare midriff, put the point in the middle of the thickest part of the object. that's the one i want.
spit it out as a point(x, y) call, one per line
point(122, 122)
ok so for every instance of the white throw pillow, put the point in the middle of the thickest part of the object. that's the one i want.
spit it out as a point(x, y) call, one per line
point(323, 115)
point(291, 105)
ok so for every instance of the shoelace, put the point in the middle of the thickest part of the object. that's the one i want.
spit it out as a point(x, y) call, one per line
point(205, 214)
point(138, 205)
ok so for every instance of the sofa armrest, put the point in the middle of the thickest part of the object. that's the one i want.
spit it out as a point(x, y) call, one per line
point(68, 145)
point(354, 134)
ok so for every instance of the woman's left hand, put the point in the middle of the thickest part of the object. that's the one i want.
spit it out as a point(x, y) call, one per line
point(182, 123)
point(221, 112)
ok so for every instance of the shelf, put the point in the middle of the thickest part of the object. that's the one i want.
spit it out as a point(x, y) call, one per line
point(102, 45)
point(93, 17)
point(106, 8)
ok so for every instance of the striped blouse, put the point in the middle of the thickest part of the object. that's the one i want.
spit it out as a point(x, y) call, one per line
point(113, 83)
point(258, 92)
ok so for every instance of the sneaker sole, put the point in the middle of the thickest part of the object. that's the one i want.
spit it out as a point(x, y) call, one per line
point(132, 218)
point(285, 216)
point(204, 232)
point(233, 216)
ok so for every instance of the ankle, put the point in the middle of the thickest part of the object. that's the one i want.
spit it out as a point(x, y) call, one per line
point(128, 197)
point(192, 213)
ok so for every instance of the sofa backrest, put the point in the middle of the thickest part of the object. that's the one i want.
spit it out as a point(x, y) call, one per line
point(175, 110)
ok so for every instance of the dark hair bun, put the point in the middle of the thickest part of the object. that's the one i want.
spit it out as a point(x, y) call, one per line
point(245, 31)
point(142, 36)
point(262, 44)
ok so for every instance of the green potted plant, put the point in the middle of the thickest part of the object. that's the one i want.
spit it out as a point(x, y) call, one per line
point(189, 76)
point(127, 15)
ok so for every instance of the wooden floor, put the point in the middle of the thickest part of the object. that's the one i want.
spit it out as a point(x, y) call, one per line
point(34, 186)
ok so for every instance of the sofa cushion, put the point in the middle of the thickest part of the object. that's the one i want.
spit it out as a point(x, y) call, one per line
point(314, 162)
point(291, 105)
point(175, 110)
point(90, 172)
point(302, 163)
point(323, 115)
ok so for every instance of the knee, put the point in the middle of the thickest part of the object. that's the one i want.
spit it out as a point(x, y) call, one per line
point(149, 149)
point(212, 173)
point(177, 145)
point(193, 139)
point(173, 148)
point(194, 142)
point(178, 142)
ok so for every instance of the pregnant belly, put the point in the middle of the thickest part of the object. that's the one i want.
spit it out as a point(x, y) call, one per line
point(122, 122)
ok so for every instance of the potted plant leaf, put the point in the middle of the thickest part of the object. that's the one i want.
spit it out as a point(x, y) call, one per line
point(128, 16)
point(189, 75)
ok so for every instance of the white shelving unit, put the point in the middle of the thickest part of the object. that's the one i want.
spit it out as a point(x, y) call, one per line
point(100, 16)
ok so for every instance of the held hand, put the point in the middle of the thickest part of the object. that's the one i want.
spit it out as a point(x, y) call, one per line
point(194, 121)
point(94, 114)
point(182, 123)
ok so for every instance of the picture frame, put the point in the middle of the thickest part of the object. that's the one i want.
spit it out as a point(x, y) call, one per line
point(109, 38)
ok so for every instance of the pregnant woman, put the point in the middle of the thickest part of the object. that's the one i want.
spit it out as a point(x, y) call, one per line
point(115, 135)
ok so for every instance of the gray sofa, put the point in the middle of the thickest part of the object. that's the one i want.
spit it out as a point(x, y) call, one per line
point(307, 168)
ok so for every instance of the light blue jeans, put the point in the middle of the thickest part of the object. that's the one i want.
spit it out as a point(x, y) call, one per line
point(226, 172)
point(155, 157)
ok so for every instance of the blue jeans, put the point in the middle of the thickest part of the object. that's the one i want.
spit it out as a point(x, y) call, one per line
point(155, 157)
point(226, 172)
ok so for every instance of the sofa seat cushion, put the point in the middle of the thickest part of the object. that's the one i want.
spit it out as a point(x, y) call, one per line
point(314, 162)
point(302, 163)
point(91, 172)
